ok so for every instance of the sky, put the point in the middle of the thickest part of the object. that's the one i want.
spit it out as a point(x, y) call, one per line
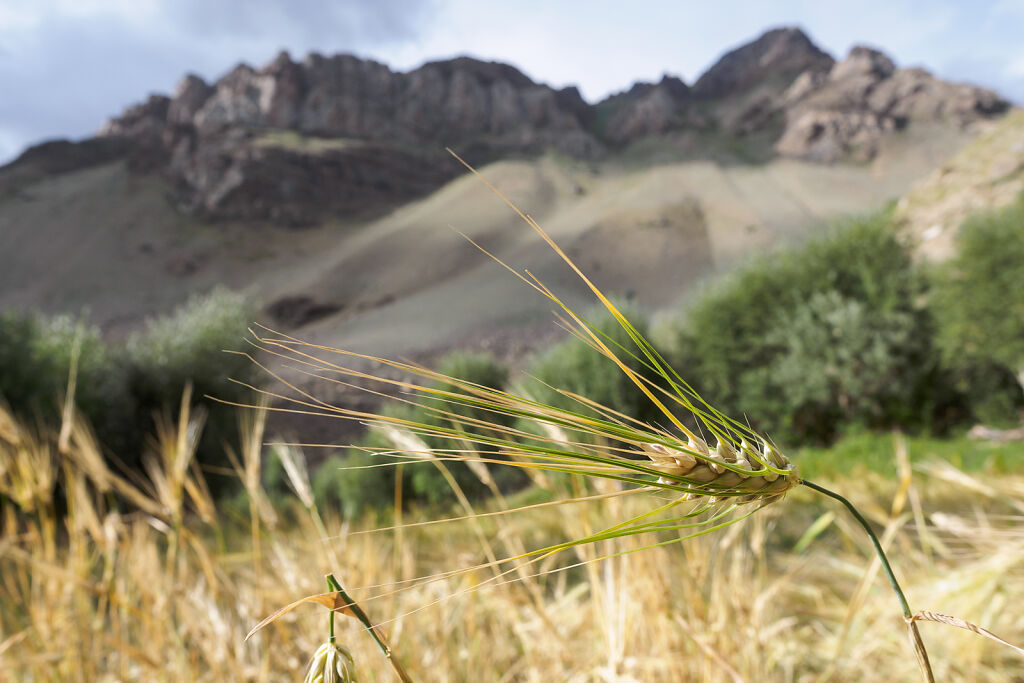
point(68, 65)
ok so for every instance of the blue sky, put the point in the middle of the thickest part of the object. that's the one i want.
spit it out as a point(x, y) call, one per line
point(67, 65)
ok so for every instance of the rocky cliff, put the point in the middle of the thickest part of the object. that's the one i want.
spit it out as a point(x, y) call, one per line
point(296, 142)
point(848, 110)
point(365, 136)
point(814, 107)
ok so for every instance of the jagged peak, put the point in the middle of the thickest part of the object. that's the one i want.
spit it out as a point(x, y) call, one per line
point(484, 70)
point(673, 85)
point(863, 60)
point(785, 52)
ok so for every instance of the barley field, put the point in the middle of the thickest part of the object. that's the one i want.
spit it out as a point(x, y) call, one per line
point(169, 589)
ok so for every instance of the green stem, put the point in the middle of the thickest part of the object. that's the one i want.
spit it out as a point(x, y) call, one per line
point(330, 613)
point(376, 633)
point(915, 635)
point(886, 567)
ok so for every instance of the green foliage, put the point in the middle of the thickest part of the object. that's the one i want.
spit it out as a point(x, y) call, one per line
point(807, 340)
point(35, 360)
point(30, 373)
point(361, 485)
point(351, 485)
point(980, 299)
point(120, 387)
point(979, 305)
point(366, 476)
point(859, 451)
point(841, 362)
point(427, 482)
point(190, 345)
point(576, 367)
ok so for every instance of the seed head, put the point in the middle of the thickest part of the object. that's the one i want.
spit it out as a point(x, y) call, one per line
point(331, 664)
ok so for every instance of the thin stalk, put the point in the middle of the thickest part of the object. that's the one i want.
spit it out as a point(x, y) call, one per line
point(912, 632)
point(375, 632)
point(330, 614)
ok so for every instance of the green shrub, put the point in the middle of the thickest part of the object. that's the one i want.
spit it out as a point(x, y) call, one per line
point(807, 340)
point(30, 380)
point(427, 482)
point(365, 477)
point(189, 345)
point(979, 305)
point(575, 366)
point(121, 388)
point(361, 487)
point(842, 363)
point(339, 484)
point(35, 360)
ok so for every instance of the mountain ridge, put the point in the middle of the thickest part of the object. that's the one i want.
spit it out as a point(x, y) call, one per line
point(187, 192)
point(357, 124)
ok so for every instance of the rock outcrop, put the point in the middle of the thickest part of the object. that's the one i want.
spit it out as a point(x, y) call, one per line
point(396, 125)
point(986, 175)
point(847, 113)
point(774, 59)
point(646, 109)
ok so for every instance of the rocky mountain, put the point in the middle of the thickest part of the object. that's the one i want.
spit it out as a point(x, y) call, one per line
point(650, 190)
point(357, 135)
point(295, 143)
point(777, 57)
point(846, 111)
point(811, 106)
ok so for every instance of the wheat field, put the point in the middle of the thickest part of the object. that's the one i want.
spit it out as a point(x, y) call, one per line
point(168, 589)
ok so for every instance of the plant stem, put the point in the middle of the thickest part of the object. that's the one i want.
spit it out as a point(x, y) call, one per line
point(375, 632)
point(914, 634)
point(330, 631)
point(886, 567)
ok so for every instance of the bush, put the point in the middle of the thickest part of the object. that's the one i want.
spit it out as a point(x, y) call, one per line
point(575, 366)
point(190, 345)
point(355, 490)
point(30, 380)
point(427, 482)
point(979, 305)
point(35, 360)
point(841, 363)
point(120, 388)
point(807, 340)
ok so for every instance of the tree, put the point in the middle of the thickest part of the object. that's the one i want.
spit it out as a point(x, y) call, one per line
point(979, 298)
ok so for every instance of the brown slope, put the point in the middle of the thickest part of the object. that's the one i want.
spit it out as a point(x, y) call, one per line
point(986, 174)
point(106, 239)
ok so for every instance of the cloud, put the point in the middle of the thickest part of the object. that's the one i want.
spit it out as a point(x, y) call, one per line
point(310, 21)
point(74, 63)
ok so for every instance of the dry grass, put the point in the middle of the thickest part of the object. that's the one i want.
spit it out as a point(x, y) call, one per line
point(168, 591)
